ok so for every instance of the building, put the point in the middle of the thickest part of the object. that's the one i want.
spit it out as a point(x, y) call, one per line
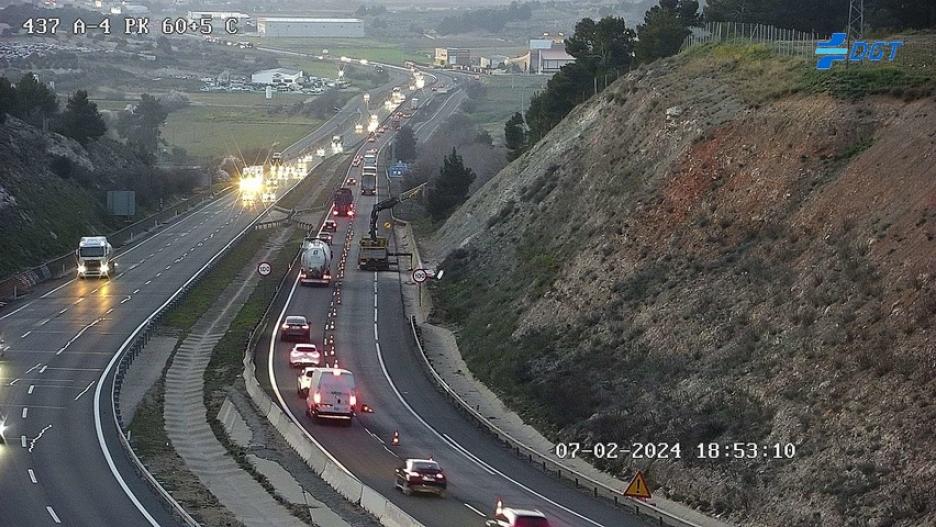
point(218, 18)
point(270, 26)
point(452, 57)
point(492, 61)
point(277, 77)
point(550, 60)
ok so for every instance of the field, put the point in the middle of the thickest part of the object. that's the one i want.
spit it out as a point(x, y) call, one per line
point(358, 48)
point(504, 96)
point(218, 124)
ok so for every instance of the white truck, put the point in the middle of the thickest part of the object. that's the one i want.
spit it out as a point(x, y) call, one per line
point(315, 262)
point(337, 144)
point(95, 257)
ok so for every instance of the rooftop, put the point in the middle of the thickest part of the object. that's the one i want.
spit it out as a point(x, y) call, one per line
point(303, 19)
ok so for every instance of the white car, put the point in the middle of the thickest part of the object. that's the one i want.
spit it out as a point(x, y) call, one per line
point(304, 355)
point(305, 381)
point(507, 517)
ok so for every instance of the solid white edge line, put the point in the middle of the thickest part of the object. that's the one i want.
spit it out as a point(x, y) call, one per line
point(98, 427)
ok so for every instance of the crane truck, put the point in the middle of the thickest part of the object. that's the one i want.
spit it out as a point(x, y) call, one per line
point(374, 251)
point(315, 262)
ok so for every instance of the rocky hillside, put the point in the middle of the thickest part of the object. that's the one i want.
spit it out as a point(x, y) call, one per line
point(720, 248)
point(52, 192)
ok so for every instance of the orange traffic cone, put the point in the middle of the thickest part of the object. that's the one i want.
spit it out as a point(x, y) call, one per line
point(395, 440)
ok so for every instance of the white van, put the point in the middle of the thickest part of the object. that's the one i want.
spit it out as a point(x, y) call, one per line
point(332, 395)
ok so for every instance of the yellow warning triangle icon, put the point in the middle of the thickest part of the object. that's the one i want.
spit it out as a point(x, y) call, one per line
point(638, 487)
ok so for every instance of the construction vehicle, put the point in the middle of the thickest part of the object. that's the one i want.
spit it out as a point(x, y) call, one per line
point(374, 251)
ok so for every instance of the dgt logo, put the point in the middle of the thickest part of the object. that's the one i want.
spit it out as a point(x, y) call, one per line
point(834, 50)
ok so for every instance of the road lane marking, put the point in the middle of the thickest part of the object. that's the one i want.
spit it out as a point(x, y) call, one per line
point(25, 412)
point(43, 369)
point(158, 274)
point(88, 387)
point(33, 368)
point(476, 511)
point(14, 381)
point(32, 442)
point(53, 515)
point(76, 337)
point(23, 441)
point(109, 311)
point(98, 390)
point(32, 476)
point(62, 311)
point(31, 388)
point(147, 282)
point(24, 335)
point(76, 302)
point(125, 300)
point(95, 290)
point(24, 306)
point(44, 322)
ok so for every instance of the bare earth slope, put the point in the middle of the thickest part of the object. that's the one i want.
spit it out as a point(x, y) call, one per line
point(740, 268)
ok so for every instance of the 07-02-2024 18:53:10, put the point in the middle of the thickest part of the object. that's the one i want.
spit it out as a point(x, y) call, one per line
point(711, 450)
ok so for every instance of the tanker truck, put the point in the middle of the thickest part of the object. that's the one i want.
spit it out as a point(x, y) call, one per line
point(315, 262)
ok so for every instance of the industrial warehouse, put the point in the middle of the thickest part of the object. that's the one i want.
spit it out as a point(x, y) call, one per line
point(269, 26)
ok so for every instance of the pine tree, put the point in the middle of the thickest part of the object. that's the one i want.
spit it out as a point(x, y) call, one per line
point(81, 120)
point(34, 100)
point(515, 136)
point(450, 188)
point(7, 98)
point(404, 145)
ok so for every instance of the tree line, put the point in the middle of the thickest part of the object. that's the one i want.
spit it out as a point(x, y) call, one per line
point(606, 49)
point(492, 20)
point(35, 103)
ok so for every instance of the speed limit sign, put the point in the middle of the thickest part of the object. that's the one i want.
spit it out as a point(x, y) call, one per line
point(264, 268)
point(420, 275)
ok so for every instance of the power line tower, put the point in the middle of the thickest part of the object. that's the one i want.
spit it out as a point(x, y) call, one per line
point(855, 20)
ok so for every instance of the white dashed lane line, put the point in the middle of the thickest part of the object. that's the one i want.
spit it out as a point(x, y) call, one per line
point(24, 335)
point(32, 476)
point(38, 364)
point(31, 388)
point(25, 412)
point(88, 387)
point(476, 511)
point(55, 517)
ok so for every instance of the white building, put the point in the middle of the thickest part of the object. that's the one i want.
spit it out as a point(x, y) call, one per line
point(550, 60)
point(218, 18)
point(270, 26)
point(277, 77)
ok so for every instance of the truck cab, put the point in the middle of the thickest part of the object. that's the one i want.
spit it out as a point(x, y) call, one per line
point(95, 257)
point(344, 202)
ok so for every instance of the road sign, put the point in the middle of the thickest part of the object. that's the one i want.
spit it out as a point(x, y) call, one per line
point(638, 488)
point(420, 276)
point(264, 268)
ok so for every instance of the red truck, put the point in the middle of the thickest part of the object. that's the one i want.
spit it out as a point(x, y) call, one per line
point(344, 202)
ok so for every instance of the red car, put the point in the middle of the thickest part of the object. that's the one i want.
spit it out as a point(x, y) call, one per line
point(421, 475)
point(304, 355)
point(296, 328)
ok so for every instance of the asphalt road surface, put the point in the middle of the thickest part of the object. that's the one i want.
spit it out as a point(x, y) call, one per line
point(57, 466)
point(373, 340)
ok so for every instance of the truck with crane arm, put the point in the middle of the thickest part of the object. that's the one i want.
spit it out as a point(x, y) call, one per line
point(374, 251)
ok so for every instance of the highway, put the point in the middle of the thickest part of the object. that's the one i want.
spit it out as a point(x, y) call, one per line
point(372, 339)
point(62, 462)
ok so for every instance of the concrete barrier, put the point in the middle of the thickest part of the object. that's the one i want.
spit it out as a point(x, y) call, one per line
point(346, 485)
point(395, 517)
point(373, 502)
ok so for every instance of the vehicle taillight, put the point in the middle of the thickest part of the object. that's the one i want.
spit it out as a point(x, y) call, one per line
point(353, 400)
point(440, 476)
point(305, 326)
point(350, 213)
point(285, 326)
point(335, 213)
point(316, 398)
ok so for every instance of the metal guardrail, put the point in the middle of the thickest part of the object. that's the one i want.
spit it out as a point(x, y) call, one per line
point(598, 489)
point(21, 283)
point(136, 348)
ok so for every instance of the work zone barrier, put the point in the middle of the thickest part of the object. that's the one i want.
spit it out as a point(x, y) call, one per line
point(23, 282)
point(318, 459)
point(547, 464)
point(305, 446)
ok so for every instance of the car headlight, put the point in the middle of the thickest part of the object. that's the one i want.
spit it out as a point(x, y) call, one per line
point(104, 268)
point(81, 268)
